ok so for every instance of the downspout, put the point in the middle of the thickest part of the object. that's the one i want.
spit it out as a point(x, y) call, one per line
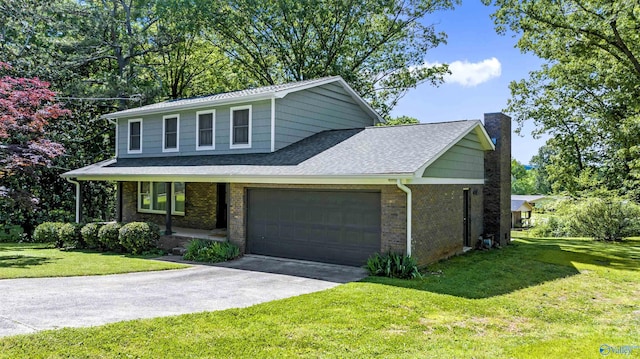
point(407, 190)
point(77, 197)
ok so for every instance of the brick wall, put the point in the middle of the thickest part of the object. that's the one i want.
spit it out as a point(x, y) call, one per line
point(497, 189)
point(393, 212)
point(437, 223)
point(200, 206)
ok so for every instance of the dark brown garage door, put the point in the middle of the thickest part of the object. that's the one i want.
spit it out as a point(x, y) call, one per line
point(340, 227)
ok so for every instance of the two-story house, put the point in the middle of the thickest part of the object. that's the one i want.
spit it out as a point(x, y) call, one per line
point(301, 171)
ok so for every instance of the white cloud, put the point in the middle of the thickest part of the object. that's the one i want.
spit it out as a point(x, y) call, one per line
point(470, 74)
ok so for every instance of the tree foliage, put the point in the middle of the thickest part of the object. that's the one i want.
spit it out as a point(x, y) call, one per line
point(587, 94)
point(400, 120)
point(379, 48)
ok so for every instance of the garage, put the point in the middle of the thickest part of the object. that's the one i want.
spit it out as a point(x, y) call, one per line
point(340, 227)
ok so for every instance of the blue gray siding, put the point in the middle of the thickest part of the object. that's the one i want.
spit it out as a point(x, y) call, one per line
point(304, 113)
point(464, 160)
point(152, 132)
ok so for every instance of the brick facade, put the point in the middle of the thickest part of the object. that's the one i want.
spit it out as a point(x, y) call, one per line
point(497, 189)
point(437, 224)
point(199, 208)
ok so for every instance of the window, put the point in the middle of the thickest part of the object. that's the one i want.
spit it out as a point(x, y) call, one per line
point(205, 130)
point(134, 144)
point(152, 197)
point(240, 127)
point(171, 133)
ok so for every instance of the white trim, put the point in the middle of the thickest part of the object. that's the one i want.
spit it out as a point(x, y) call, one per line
point(164, 135)
point(436, 180)
point(157, 211)
point(129, 150)
point(273, 124)
point(213, 130)
point(420, 171)
point(239, 108)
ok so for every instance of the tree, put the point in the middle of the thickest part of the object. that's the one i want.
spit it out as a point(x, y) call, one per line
point(379, 48)
point(523, 180)
point(400, 120)
point(586, 96)
point(27, 106)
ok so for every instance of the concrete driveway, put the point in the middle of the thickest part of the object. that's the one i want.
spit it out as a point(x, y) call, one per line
point(30, 305)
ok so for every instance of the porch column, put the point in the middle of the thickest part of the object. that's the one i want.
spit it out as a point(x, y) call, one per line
point(169, 205)
point(78, 199)
point(119, 202)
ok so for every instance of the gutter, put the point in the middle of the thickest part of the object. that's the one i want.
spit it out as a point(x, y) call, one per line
point(407, 190)
point(77, 197)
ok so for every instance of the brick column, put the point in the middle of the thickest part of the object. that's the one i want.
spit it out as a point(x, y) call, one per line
point(497, 188)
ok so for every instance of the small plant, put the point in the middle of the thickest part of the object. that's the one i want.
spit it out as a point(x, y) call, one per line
point(139, 237)
point(108, 235)
point(393, 265)
point(47, 232)
point(90, 235)
point(202, 250)
point(69, 236)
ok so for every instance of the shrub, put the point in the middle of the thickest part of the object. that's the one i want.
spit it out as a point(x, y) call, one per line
point(90, 235)
point(138, 237)
point(11, 233)
point(203, 250)
point(47, 232)
point(108, 235)
point(393, 265)
point(69, 236)
point(607, 219)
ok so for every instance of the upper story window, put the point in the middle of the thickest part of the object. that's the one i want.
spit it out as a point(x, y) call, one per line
point(240, 127)
point(134, 138)
point(171, 133)
point(205, 130)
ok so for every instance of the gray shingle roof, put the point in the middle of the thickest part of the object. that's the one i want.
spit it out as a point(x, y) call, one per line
point(372, 151)
point(252, 94)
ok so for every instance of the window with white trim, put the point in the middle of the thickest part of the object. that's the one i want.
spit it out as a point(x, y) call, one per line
point(152, 197)
point(205, 130)
point(134, 138)
point(240, 127)
point(170, 133)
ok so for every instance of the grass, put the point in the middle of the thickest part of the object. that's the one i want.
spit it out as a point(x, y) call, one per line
point(552, 298)
point(33, 260)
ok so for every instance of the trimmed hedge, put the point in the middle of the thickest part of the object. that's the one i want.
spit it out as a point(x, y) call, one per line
point(90, 235)
point(47, 232)
point(139, 237)
point(69, 236)
point(109, 237)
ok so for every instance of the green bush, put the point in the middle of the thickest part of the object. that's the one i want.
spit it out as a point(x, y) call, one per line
point(607, 219)
point(393, 265)
point(139, 237)
point(69, 236)
point(11, 233)
point(108, 235)
point(90, 235)
point(47, 232)
point(202, 250)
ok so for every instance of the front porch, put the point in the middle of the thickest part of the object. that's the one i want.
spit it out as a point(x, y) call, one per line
point(180, 236)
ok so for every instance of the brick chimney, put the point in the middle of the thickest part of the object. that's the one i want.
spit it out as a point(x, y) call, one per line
point(497, 186)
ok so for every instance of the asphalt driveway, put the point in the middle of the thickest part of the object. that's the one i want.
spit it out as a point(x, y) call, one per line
point(30, 305)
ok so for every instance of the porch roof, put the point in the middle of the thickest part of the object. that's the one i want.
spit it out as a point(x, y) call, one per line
point(385, 152)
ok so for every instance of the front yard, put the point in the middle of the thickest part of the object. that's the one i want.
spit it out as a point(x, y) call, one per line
point(536, 298)
point(33, 260)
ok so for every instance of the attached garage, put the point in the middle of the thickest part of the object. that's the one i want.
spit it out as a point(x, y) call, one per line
point(340, 227)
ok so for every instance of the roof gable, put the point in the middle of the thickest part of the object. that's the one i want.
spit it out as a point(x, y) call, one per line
point(248, 95)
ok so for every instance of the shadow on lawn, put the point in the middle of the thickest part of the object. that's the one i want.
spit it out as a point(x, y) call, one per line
point(20, 261)
point(497, 272)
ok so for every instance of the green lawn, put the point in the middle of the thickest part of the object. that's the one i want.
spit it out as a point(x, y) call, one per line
point(20, 260)
point(550, 298)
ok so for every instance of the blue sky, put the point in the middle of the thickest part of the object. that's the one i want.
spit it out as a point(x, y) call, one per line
point(483, 63)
